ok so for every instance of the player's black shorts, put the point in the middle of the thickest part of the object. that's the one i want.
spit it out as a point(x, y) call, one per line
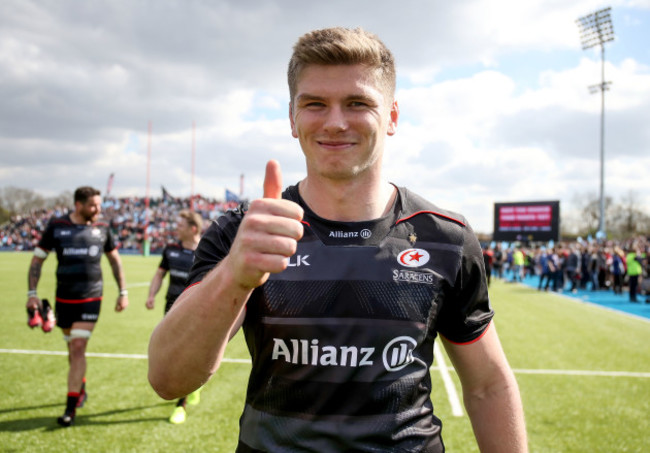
point(69, 313)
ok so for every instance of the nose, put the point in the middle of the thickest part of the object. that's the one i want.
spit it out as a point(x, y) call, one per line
point(335, 120)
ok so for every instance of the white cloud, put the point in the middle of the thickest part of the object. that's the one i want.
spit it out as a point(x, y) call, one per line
point(493, 95)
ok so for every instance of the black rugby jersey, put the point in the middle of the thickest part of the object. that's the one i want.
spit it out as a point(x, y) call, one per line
point(79, 251)
point(342, 340)
point(177, 260)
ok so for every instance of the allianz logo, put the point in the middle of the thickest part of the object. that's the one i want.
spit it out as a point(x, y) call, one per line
point(93, 250)
point(365, 234)
point(397, 354)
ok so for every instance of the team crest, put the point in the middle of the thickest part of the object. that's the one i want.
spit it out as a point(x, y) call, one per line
point(413, 258)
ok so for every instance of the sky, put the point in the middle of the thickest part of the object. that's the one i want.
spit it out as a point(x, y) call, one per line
point(493, 95)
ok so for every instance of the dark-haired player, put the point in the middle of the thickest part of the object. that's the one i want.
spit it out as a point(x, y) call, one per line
point(79, 242)
point(341, 284)
point(177, 259)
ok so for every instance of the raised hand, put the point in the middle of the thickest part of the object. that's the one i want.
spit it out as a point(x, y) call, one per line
point(268, 234)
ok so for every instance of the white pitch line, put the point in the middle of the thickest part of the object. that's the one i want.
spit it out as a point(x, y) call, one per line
point(137, 284)
point(441, 364)
point(585, 373)
point(452, 394)
point(100, 355)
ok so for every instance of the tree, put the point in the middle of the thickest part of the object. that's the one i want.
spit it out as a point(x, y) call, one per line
point(16, 200)
point(623, 219)
point(628, 219)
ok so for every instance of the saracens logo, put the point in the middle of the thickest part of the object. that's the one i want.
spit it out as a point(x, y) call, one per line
point(413, 258)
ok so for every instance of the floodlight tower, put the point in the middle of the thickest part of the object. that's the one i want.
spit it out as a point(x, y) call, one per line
point(595, 30)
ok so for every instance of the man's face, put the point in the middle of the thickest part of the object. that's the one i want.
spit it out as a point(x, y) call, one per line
point(183, 229)
point(90, 209)
point(341, 115)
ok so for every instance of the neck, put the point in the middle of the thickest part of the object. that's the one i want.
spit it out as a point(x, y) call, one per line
point(346, 201)
point(190, 243)
point(78, 219)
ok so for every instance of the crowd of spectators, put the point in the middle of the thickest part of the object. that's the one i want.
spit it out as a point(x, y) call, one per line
point(565, 266)
point(129, 219)
point(619, 266)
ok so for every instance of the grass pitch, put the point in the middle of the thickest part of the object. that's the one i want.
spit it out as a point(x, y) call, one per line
point(584, 375)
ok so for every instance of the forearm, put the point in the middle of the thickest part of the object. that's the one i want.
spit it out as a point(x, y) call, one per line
point(491, 394)
point(34, 274)
point(118, 271)
point(156, 283)
point(497, 418)
point(187, 346)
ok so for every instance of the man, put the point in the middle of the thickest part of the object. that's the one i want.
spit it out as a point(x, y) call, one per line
point(79, 241)
point(341, 284)
point(518, 262)
point(573, 268)
point(634, 260)
point(177, 260)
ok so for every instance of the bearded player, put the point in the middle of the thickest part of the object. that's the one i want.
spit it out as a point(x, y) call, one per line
point(79, 241)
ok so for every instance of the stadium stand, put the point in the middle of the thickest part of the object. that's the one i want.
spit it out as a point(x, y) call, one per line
point(128, 218)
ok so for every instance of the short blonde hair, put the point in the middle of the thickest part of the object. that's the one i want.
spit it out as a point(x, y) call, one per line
point(342, 46)
point(192, 218)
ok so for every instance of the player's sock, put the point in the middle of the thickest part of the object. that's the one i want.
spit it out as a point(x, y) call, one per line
point(67, 419)
point(71, 404)
point(182, 402)
point(83, 396)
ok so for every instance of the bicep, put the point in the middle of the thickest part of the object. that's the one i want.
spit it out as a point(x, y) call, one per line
point(481, 363)
point(113, 256)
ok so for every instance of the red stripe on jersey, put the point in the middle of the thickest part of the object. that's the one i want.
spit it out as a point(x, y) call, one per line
point(471, 341)
point(434, 213)
point(78, 301)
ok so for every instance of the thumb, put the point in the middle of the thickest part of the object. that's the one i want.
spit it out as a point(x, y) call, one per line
point(273, 180)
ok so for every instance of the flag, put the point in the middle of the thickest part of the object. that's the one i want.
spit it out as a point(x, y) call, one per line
point(109, 184)
point(166, 195)
point(231, 196)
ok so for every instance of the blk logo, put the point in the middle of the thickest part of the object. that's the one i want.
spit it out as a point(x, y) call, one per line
point(298, 260)
point(398, 353)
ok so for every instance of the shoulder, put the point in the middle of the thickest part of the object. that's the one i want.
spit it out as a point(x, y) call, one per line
point(62, 221)
point(415, 205)
point(421, 213)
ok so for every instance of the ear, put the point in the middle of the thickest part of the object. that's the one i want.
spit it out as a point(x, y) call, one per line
point(394, 116)
point(294, 133)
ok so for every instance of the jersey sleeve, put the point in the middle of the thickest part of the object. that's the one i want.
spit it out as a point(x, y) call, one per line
point(467, 312)
point(47, 240)
point(164, 262)
point(109, 245)
point(215, 243)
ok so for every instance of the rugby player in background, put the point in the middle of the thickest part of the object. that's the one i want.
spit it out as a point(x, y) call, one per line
point(79, 242)
point(177, 259)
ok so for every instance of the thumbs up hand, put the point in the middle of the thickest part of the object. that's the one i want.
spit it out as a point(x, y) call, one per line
point(268, 234)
